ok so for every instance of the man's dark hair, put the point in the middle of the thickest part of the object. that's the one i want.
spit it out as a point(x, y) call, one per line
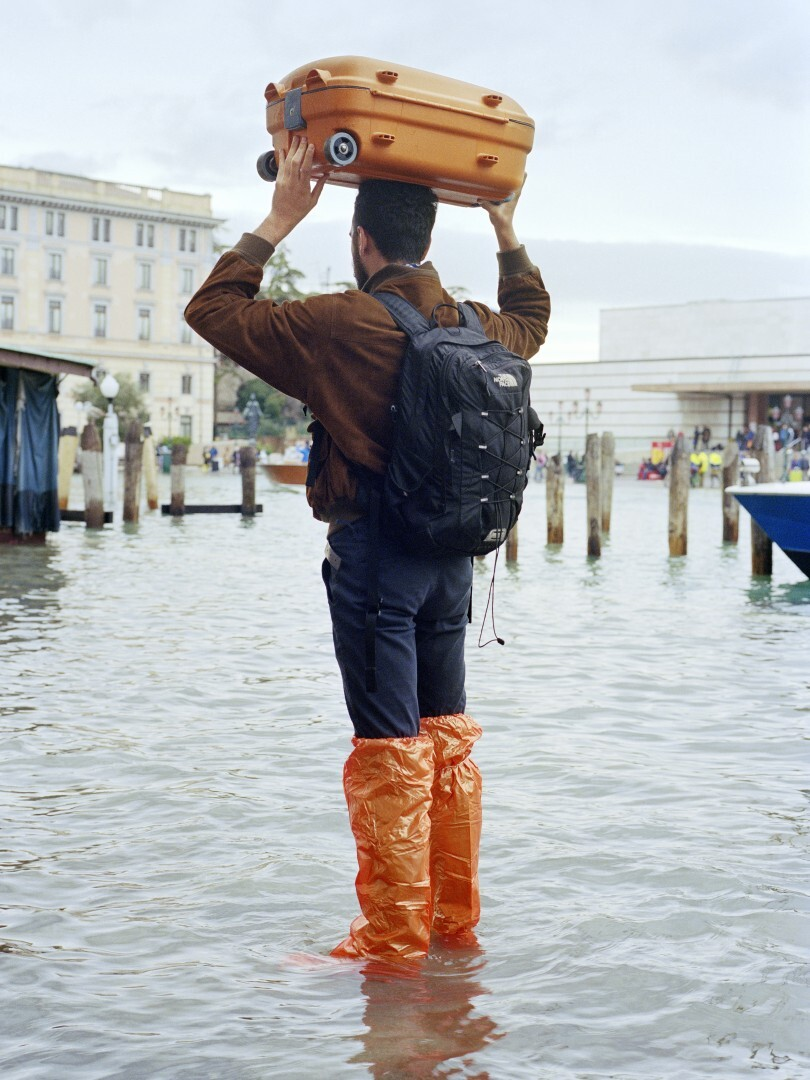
point(398, 217)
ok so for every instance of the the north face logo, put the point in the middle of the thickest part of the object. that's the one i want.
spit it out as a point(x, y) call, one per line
point(505, 380)
point(496, 536)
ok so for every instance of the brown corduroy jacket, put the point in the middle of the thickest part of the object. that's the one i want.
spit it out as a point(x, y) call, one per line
point(340, 353)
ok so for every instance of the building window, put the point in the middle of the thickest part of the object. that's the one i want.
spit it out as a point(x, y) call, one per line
point(144, 275)
point(185, 384)
point(100, 271)
point(55, 266)
point(144, 324)
point(6, 312)
point(143, 382)
point(101, 229)
point(9, 217)
point(188, 240)
point(54, 223)
point(186, 427)
point(144, 234)
point(54, 316)
point(7, 261)
point(100, 320)
point(185, 332)
point(187, 280)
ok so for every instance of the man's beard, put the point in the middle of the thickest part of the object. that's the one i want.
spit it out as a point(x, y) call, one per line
point(360, 275)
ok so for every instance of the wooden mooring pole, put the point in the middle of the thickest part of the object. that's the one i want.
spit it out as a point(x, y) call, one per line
point(133, 464)
point(150, 470)
point(247, 466)
point(608, 450)
point(555, 499)
point(68, 443)
point(679, 477)
point(92, 477)
point(761, 545)
point(731, 508)
point(177, 504)
point(512, 544)
point(593, 476)
point(248, 507)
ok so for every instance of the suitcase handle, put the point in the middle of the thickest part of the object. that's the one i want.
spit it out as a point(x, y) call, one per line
point(314, 77)
point(318, 75)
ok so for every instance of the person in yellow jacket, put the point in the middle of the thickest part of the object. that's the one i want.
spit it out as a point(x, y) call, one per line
point(699, 467)
point(715, 465)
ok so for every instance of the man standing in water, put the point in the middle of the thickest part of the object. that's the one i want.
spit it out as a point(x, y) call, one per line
point(413, 793)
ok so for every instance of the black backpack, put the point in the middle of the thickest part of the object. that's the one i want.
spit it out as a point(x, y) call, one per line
point(464, 436)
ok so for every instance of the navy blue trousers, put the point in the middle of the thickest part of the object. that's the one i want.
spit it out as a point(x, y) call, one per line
point(420, 632)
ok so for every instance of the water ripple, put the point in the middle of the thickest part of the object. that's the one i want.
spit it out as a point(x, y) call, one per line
point(175, 852)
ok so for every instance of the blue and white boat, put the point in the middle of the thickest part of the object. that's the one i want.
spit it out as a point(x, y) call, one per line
point(782, 511)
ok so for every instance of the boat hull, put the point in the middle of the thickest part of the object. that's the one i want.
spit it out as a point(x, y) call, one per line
point(286, 472)
point(782, 511)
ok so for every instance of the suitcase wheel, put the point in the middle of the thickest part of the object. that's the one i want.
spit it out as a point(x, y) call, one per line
point(340, 149)
point(267, 167)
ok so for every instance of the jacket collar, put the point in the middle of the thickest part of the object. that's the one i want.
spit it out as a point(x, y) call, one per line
point(399, 270)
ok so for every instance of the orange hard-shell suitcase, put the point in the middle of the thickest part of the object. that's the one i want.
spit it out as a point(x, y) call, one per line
point(372, 119)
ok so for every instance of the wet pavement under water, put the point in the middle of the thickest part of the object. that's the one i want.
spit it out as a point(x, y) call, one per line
point(175, 852)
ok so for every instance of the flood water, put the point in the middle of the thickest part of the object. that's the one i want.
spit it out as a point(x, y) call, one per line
point(175, 848)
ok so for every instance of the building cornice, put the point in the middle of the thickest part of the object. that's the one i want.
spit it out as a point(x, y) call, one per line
point(107, 209)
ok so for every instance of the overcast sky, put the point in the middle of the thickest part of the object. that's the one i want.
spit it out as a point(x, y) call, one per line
point(671, 160)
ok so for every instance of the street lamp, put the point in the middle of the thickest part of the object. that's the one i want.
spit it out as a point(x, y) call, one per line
point(597, 410)
point(109, 388)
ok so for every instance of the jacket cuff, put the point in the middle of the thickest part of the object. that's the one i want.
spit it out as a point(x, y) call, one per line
point(514, 262)
point(252, 248)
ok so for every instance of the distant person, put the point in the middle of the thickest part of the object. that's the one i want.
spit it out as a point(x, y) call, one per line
point(716, 463)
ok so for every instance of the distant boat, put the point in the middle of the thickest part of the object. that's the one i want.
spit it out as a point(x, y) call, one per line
point(286, 472)
point(782, 511)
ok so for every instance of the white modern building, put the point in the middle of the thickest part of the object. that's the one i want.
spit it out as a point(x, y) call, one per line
point(102, 271)
point(670, 369)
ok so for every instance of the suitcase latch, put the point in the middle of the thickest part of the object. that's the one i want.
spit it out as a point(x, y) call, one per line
point(293, 120)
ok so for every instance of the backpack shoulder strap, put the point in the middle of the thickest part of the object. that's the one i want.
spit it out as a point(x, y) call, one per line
point(413, 322)
point(470, 316)
point(404, 314)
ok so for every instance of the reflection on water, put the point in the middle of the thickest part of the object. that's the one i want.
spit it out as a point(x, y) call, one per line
point(418, 1022)
point(172, 824)
point(30, 581)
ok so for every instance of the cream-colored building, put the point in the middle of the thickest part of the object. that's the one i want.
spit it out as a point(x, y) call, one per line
point(103, 271)
point(716, 364)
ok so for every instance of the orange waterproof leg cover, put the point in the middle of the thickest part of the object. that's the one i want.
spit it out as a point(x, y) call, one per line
point(388, 791)
point(455, 820)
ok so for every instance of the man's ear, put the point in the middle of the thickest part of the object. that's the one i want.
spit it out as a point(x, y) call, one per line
point(364, 242)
